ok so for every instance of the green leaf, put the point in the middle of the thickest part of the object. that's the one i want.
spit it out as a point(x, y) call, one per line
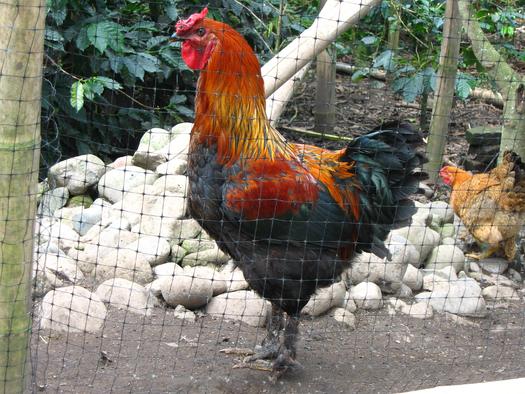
point(385, 60)
point(108, 83)
point(92, 88)
point(134, 67)
point(53, 35)
point(77, 95)
point(359, 75)
point(369, 40)
point(172, 13)
point(464, 85)
point(106, 33)
point(98, 35)
point(148, 62)
point(413, 88)
point(157, 40)
point(82, 40)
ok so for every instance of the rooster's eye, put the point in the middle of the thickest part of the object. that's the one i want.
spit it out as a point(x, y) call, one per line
point(201, 31)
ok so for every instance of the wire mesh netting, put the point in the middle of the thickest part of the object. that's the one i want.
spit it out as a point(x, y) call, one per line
point(346, 219)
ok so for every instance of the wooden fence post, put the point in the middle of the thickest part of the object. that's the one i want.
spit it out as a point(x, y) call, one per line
point(444, 95)
point(324, 110)
point(21, 55)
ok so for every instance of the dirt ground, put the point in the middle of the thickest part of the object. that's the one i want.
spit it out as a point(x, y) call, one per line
point(385, 354)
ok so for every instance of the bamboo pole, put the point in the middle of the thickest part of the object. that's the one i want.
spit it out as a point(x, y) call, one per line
point(335, 18)
point(21, 55)
point(448, 64)
point(324, 108)
point(276, 103)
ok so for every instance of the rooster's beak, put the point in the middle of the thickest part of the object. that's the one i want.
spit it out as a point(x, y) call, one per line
point(175, 38)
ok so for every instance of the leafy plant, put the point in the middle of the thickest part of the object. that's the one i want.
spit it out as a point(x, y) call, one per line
point(111, 71)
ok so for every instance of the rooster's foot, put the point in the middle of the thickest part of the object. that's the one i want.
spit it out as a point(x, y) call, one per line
point(284, 362)
point(238, 351)
point(258, 365)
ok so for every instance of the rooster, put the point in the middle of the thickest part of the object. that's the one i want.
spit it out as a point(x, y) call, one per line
point(491, 205)
point(291, 216)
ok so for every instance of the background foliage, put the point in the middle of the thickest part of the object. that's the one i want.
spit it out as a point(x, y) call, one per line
point(111, 73)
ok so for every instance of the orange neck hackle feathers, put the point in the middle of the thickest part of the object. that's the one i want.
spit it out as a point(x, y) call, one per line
point(231, 106)
point(454, 176)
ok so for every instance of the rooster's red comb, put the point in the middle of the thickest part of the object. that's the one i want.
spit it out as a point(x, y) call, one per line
point(186, 24)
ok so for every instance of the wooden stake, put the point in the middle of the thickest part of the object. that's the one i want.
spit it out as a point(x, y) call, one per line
point(448, 62)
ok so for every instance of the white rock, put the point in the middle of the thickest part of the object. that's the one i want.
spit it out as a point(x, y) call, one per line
point(461, 297)
point(423, 238)
point(205, 257)
point(404, 291)
point(178, 147)
point(413, 278)
point(500, 293)
point(167, 269)
point(388, 274)
point(419, 310)
point(177, 252)
point(176, 184)
point(134, 261)
point(78, 174)
point(431, 276)
point(442, 211)
point(63, 235)
point(493, 279)
point(348, 303)
point(172, 167)
point(399, 245)
point(325, 299)
point(186, 229)
point(156, 249)
point(59, 269)
point(234, 278)
point(422, 217)
point(184, 314)
point(123, 294)
point(446, 255)
point(494, 265)
point(43, 229)
point(122, 161)
point(86, 218)
point(154, 289)
point(103, 244)
point(72, 309)
point(448, 241)
point(147, 155)
point(115, 183)
point(367, 295)
point(219, 284)
point(187, 290)
point(198, 245)
point(242, 305)
point(53, 200)
point(344, 316)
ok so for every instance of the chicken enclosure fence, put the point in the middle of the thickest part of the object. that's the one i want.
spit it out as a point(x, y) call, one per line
point(107, 284)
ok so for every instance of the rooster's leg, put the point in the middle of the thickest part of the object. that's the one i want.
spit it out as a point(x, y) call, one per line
point(287, 352)
point(269, 348)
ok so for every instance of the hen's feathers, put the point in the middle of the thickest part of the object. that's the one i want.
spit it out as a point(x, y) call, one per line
point(492, 204)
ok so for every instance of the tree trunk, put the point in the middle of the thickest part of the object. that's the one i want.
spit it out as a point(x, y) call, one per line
point(448, 62)
point(21, 55)
point(510, 84)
